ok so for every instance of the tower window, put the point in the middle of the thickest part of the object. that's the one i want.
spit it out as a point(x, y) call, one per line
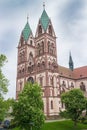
point(51, 80)
point(23, 70)
point(31, 43)
point(50, 29)
point(40, 29)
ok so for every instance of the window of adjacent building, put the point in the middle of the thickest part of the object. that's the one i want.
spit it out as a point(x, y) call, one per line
point(82, 86)
point(51, 104)
point(63, 83)
point(72, 85)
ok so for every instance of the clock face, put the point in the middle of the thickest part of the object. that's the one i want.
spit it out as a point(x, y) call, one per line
point(30, 79)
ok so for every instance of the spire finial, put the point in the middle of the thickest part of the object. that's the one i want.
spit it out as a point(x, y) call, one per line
point(27, 17)
point(43, 5)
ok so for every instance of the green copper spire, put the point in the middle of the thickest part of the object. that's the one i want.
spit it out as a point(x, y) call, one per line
point(26, 31)
point(44, 20)
point(71, 66)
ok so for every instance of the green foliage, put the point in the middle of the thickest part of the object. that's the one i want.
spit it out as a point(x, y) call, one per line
point(75, 103)
point(4, 107)
point(3, 80)
point(27, 111)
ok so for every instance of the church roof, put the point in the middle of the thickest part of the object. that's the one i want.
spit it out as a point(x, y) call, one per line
point(77, 73)
point(80, 72)
point(26, 31)
point(44, 20)
point(65, 72)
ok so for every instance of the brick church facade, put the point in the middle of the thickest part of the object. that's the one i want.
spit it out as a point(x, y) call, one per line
point(37, 62)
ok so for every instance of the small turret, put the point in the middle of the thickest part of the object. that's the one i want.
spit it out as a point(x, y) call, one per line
point(71, 65)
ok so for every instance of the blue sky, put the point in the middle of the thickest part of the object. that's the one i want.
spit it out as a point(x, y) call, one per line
point(69, 19)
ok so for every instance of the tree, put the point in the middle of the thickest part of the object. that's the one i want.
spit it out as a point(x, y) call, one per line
point(2, 109)
point(3, 80)
point(28, 110)
point(75, 103)
point(3, 88)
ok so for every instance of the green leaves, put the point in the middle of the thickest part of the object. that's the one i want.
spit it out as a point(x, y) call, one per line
point(75, 103)
point(3, 80)
point(29, 107)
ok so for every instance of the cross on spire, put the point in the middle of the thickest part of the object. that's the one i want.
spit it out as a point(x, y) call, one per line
point(27, 17)
point(43, 5)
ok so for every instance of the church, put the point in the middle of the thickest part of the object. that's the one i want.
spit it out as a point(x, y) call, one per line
point(37, 62)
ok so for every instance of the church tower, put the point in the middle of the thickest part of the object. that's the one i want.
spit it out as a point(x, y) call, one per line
point(26, 54)
point(46, 63)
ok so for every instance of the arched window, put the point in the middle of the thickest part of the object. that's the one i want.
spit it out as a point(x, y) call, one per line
point(43, 65)
point(82, 86)
point(41, 81)
point(31, 54)
point(31, 43)
point(38, 65)
point(30, 79)
point(51, 80)
point(21, 85)
point(51, 104)
point(72, 85)
point(39, 29)
point(42, 47)
point(48, 46)
point(63, 83)
point(23, 70)
point(49, 65)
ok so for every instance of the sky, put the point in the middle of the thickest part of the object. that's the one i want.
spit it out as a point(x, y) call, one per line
point(69, 19)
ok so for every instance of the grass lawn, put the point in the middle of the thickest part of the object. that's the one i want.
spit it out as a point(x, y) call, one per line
point(62, 125)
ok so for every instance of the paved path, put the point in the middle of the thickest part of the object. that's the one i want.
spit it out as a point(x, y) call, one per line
point(55, 120)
